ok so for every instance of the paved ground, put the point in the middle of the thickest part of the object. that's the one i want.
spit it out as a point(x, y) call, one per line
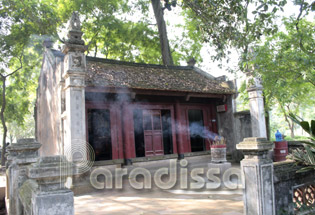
point(156, 201)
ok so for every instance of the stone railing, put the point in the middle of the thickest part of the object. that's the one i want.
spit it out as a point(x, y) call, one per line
point(35, 185)
point(293, 191)
point(273, 188)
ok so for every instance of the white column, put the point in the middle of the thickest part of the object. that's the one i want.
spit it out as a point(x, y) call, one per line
point(75, 116)
point(257, 110)
point(257, 176)
point(74, 75)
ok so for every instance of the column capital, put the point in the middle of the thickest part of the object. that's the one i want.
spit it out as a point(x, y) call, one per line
point(254, 145)
point(254, 83)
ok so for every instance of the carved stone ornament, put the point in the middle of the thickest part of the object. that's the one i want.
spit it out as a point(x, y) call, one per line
point(75, 24)
point(77, 61)
point(74, 33)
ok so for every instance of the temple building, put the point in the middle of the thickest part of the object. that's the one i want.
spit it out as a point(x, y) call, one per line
point(128, 112)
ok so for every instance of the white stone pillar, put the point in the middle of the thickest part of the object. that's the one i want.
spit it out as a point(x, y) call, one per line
point(257, 109)
point(74, 75)
point(257, 176)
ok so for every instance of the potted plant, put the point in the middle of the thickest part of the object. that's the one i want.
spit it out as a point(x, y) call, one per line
point(218, 150)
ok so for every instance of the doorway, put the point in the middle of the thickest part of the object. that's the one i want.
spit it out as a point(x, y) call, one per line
point(99, 133)
point(196, 128)
point(153, 132)
point(153, 135)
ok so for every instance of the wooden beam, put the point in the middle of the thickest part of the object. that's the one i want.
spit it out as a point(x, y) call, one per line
point(152, 92)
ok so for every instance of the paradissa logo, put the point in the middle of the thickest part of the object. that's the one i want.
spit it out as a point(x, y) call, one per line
point(166, 177)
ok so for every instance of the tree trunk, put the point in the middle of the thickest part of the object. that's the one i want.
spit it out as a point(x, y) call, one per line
point(3, 122)
point(291, 126)
point(11, 138)
point(292, 130)
point(165, 47)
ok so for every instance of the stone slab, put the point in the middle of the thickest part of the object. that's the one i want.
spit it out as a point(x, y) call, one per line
point(56, 203)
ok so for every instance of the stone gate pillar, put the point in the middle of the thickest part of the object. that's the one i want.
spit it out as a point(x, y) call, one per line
point(44, 191)
point(74, 75)
point(257, 176)
point(257, 109)
point(20, 154)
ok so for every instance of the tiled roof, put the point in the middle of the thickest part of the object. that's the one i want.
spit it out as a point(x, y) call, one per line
point(112, 73)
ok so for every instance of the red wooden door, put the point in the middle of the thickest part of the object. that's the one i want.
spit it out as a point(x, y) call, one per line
point(153, 136)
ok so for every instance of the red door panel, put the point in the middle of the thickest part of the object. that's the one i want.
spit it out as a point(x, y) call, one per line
point(148, 140)
point(153, 136)
point(158, 143)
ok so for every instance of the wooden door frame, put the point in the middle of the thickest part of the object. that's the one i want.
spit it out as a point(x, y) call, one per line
point(208, 116)
point(115, 127)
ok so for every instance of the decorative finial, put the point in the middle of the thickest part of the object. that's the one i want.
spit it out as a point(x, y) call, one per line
point(191, 62)
point(74, 30)
point(74, 41)
point(75, 24)
point(48, 43)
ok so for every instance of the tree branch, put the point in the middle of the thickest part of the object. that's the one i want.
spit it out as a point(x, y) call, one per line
point(21, 66)
point(298, 19)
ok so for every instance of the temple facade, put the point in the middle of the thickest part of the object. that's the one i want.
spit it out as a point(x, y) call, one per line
point(128, 112)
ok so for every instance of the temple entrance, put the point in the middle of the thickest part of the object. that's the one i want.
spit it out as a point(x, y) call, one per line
point(152, 132)
point(196, 126)
point(99, 132)
point(153, 135)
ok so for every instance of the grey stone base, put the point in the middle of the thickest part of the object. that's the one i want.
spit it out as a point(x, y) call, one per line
point(57, 203)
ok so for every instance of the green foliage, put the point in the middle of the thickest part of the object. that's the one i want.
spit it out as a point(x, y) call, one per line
point(234, 24)
point(242, 99)
point(286, 70)
point(305, 157)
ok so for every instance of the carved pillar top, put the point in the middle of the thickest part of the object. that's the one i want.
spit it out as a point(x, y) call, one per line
point(25, 151)
point(255, 146)
point(254, 82)
point(74, 41)
point(74, 48)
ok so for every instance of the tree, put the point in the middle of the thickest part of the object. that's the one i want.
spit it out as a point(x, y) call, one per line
point(287, 70)
point(4, 77)
point(305, 7)
point(18, 21)
point(165, 47)
point(242, 25)
point(235, 24)
point(111, 34)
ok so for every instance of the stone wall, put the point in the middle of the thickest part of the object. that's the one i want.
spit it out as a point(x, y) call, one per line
point(274, 188)
point(286, 180)
point(243, 129)
point(226, 128)
point(48, 121)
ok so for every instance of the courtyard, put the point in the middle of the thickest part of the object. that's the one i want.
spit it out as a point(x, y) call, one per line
point(128, 200)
